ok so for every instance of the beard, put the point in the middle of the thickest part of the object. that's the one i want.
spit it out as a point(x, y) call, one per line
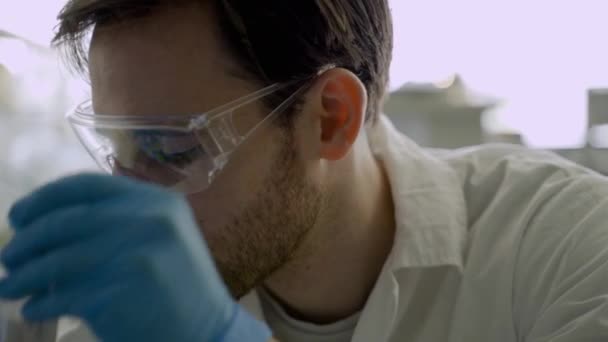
point(269, 230)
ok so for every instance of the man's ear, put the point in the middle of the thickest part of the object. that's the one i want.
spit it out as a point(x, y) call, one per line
point(341, 102)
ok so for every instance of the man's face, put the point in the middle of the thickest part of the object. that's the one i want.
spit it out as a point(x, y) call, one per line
point(260, 207)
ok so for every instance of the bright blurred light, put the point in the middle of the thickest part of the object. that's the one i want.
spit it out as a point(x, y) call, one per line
point(15, 56)
point(34, 20)
point(539, 56)
point(35, 142)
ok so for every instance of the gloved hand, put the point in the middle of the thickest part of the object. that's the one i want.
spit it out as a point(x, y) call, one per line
point(125, 257)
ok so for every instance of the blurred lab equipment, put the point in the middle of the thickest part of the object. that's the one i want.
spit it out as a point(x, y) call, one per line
point(35, 146)
point(597, 118)
point(594, 154)
point(446, 114)
point(13, 327)
point(449, 115)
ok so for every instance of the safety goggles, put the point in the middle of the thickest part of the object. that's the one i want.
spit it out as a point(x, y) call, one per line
point(182, 152)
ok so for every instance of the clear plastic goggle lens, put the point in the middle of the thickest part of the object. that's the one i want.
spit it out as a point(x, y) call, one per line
point(174, 159)
point(184, 153)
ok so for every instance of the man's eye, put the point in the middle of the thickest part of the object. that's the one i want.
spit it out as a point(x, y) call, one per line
point(179, 150)
point(185, 158)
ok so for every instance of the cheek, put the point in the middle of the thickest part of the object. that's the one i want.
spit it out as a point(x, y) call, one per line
point(237, 185)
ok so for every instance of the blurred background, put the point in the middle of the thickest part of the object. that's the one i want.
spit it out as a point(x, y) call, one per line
point(464, 72)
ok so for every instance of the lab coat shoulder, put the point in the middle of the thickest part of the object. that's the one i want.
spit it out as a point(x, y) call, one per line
point(500, 176)
point(561, 284)
point(543, 221)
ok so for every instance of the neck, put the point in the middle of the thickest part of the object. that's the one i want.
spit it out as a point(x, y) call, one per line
point(334, 271)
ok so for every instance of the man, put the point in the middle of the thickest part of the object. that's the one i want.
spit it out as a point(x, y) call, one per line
point(256, 167)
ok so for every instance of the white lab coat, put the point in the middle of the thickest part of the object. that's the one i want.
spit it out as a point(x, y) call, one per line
point(493, 243)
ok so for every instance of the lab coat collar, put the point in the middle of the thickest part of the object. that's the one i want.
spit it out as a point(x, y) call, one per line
point(430, 215)
point(429, 202)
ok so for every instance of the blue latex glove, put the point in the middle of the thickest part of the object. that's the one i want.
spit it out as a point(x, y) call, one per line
point(126, 257)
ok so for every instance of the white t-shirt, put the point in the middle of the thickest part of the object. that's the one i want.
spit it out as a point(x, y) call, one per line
point(286, 328)
point(493, 243)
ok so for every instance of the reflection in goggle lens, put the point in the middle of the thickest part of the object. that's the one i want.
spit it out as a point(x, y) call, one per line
point(164, 157)
point(177, 149)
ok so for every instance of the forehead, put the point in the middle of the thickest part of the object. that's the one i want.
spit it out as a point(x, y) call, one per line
point(172, 61)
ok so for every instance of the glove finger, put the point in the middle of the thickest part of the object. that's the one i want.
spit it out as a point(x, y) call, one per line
point(73, 300)
point(74, 190)
point(65, 227)
point(102, 300)
point(62, 264)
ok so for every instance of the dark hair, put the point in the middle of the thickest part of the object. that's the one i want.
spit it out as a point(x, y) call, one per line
point(275, 40)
